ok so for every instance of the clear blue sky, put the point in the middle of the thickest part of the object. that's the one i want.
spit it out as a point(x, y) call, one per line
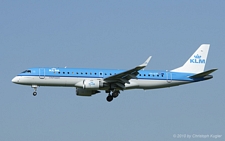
point(112, 34)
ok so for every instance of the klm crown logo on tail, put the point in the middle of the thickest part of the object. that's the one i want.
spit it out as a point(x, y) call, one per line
point(197, 59)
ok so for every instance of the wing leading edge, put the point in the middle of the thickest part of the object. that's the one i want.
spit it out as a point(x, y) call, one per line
point(121, 78)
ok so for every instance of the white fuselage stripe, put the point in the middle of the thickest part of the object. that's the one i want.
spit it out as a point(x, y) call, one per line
point(71, 81)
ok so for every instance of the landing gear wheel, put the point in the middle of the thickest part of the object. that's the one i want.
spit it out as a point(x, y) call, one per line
point(34, 93)
point(109, 98)
point(35, 89)
point(115, 94)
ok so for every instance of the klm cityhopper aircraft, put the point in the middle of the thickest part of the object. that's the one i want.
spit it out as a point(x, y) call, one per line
point(89, 81)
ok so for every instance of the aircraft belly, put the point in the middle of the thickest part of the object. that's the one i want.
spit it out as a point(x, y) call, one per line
point(61, 81)
point(153, 84)
point(131, 85)
point(49, 81)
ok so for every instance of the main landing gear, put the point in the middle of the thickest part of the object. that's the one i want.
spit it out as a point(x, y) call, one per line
point(114, 94)
point(35, 89)
point(109, 98)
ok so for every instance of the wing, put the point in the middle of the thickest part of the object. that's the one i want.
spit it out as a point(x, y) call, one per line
point(121, 78)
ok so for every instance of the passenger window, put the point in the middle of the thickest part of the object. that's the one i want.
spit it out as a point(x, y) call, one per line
point(95, 73)
point(68, 72)
point(148, 74)
point(105, 74)
point(86, 73)
point(139, 74)
point(144, 74)
point(90, 73)
point(100, 73)
point(63, 72)
point(81, 73)
point(59, 72)
point(110, 74)
point(77, 73)
point(158, 75)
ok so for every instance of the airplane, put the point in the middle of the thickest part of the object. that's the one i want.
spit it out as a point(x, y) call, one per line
point(89, 82)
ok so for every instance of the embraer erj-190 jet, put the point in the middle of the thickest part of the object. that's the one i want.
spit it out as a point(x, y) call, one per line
point(90, 81)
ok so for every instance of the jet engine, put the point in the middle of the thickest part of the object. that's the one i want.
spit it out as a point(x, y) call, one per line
point(85, 92)
point(89, 84)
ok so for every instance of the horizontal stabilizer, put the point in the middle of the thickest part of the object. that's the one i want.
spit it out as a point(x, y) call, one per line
point(202, 74)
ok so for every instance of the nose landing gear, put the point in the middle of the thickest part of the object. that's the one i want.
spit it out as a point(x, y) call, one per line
point(35, 89)
point(34, 93)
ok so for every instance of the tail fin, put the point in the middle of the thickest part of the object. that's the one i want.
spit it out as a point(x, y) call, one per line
point(196, 63)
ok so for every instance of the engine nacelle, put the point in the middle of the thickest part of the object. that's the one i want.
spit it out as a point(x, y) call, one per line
point(89, 84)
point(85, 92)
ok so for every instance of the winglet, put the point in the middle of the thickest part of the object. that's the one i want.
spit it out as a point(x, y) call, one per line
point(146, 62)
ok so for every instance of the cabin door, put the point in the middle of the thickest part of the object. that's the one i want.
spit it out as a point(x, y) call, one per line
point(169, 77)
point(41, 73)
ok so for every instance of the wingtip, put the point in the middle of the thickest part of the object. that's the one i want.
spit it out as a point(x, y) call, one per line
point(147, 61)
point(149, 58)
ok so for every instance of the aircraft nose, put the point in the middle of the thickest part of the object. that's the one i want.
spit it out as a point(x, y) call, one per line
point(16, 79)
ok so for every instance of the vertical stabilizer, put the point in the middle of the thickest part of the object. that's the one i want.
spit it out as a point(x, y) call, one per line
point(196, 63)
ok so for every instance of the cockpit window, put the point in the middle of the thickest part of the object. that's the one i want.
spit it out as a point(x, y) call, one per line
point(27, 71)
